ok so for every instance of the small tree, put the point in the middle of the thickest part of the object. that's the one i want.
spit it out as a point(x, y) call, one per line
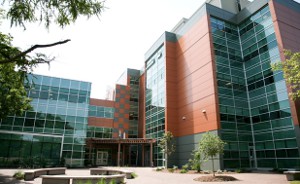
point(196, 161)
point(167, 145)
point(291, 72)
point(210, 145)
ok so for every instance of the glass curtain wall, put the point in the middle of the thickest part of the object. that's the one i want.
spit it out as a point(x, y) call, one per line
point(254, 108)
point(134, 104)
point(233, 102)
point(55, 130)
point(155, 101)
point(134, 82)
point(273, 129)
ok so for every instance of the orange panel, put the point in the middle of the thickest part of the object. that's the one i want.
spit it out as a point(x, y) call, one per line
point(100, 122)
point(141, 127)
point(99, 102)
point(191, 84)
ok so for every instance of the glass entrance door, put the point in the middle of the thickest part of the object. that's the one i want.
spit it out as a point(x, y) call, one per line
point(102, 157)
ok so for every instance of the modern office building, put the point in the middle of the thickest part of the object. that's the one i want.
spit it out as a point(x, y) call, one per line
point(212, 72)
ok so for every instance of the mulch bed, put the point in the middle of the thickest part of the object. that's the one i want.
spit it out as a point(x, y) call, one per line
point(215, 179)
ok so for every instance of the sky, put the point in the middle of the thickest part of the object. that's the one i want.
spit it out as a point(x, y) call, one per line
point(101, 49)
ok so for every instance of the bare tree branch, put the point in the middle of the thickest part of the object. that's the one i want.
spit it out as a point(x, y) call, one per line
point(22, 54)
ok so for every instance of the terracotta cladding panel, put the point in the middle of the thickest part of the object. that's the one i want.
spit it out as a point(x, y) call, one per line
point(142, 122)
point(116, 125)
point(191, 62)
point(100, 122)
point(115, 135)
point(171, 72)
point(99, 102)
point(287, 30)
point(197, 32)
point(196, 87)
point(197, 81)
point(171, 87)
point(127, 106)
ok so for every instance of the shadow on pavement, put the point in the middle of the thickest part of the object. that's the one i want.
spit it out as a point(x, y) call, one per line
point(4, 179)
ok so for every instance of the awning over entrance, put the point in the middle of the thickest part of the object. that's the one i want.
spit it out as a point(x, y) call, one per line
point(119, 140)
point(91, 142)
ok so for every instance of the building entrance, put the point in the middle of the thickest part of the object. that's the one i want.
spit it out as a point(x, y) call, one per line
point(102, 157)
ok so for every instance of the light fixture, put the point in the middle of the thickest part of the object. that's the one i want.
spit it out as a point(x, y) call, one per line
point(203, 111)
point(183, 117)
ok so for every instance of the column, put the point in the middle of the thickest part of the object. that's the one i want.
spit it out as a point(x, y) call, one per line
point(119, 154)
point(151, 154)
point(129, 153)
point(143, 155)
point(90, 153)
point(123, 155)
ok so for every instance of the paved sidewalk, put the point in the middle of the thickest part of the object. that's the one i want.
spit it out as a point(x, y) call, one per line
point(149, 176)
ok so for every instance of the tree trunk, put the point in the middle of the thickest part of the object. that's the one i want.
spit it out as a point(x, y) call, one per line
point(213, 166)
point(166, 160)
point(166, 157)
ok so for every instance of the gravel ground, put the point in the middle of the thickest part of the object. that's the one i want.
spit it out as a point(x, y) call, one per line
point(149, 176)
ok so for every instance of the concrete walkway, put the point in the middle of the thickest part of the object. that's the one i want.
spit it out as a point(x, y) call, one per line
point(149, 176)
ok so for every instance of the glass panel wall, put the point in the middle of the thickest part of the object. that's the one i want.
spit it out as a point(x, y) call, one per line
point(254, 108)
point(101, 112)
point(155, 101)
point(134, 82)
point(60, 109)
point(270, 108)
point(233, 102)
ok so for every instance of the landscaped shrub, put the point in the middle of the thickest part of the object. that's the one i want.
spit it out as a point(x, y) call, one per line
point(134, 175)
point(112, 181)
point(102, 181)
point(159, 169)
point(240, 170)
point(185, 167)
point(171, 170)
point(183, 171)
point(19, 175)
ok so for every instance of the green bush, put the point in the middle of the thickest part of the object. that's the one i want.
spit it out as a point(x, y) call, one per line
point(112, 181)
point(134, 175)
point(185, 166)
point(240, 170)
point(175, 167)
point(19, 175)
point(89, 182)
point(171, 170)
point(183, 171)
point(102, 181)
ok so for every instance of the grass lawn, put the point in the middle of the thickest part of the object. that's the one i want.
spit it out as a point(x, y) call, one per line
point(295, 182)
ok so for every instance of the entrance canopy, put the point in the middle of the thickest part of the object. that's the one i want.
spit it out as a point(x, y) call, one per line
point(119, 140)
point(92, 142)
